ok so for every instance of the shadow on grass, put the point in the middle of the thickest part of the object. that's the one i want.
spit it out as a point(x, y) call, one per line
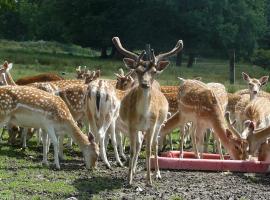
point(88, 187)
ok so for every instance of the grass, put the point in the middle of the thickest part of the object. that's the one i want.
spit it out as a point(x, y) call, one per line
point(21, 174)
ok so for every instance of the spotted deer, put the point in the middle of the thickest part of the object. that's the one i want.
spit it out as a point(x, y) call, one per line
point(199, 104)
point(254, 86)
point(144, 108)
point(97, 104)
point(175, 122)
point(30, 107)
point(256, 115)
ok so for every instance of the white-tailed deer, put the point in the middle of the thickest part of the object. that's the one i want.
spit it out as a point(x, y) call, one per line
point(33, 108)
point(144, 108)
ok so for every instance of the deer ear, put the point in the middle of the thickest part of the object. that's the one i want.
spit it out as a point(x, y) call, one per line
point(91, 137)
point(5, 65)
point(263, 80)
point(10, 65)
point(129, 63)
point(245, 76)
point(161, 65)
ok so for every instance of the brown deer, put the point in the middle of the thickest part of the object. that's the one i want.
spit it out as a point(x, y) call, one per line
point(46, 77)
point(144, 108)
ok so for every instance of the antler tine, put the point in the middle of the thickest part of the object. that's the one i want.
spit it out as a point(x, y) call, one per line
point(130, 72)
point(230, 125)
point(121, 72)
point(141, 56)
point(78, 69)
point(119, 47)
point(178, 47)
point(153, 57)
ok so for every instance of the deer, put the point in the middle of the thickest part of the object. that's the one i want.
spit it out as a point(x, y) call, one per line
point(256, 115)
point(199, 104)
point(254, 86)
point(46, 77)
point(29, 107)
point(144, 108)
point(97, 104)
point(175, 122)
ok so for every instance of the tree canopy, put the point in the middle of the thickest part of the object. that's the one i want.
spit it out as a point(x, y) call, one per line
point(208, 27)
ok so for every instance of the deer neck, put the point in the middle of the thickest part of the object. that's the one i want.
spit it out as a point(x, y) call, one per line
point(219, 127)
point(77, 135)
point(171, 124)
point(143, 100)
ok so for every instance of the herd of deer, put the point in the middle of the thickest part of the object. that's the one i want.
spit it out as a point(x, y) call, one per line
point(136, 106)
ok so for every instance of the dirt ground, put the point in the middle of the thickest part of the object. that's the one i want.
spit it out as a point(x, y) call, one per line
point(179, 184)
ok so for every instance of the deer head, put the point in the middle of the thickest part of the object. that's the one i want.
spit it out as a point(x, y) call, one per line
point(80, 72)
point(146, 70)
point(124, 81)
point(254, 85)
point(4, 73)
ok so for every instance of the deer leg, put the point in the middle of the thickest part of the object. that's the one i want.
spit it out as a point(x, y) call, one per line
point(132, 136)
point(39, 136)
point(149, 140)
point(199, 140)
point(119, 139)
point(182, 139)
point(113, 139)
point(155, 144)
point(103, 151)
point(61, 146)
point(193, 140)
point(24, 137)
point(139, 141)
point(207, 140)
point(219, 146)
point(52, 135)
point(45, 143)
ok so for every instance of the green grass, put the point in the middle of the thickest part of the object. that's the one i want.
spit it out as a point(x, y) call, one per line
point(37, 57)
point(21, 174)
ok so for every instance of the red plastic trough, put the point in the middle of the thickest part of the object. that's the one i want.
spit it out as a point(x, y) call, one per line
point(210, 162)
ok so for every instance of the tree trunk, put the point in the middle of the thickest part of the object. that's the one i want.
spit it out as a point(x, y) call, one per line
point(103, 52)
point(179, 57)
point(191, 59)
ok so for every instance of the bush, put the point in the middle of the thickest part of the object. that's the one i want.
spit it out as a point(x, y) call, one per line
point(261, 58)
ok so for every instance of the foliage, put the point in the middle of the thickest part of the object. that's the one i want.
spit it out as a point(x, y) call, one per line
point(205, 26)
point(261, 58)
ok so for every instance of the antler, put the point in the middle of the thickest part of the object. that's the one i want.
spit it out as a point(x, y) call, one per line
point(120, 48)
point(230, 125)
point(178, 47)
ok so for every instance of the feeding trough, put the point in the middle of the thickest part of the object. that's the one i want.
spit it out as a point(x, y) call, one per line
point(210, 162)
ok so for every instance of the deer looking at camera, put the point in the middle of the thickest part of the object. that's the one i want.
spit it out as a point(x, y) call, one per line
point(144, 108)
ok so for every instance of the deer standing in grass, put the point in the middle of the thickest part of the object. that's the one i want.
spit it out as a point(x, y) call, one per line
point(144, 108)
point(33, 108)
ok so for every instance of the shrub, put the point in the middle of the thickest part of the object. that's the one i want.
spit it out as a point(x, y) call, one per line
point(261, 58)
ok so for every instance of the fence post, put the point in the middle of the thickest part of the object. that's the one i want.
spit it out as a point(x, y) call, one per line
point(232, 66)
